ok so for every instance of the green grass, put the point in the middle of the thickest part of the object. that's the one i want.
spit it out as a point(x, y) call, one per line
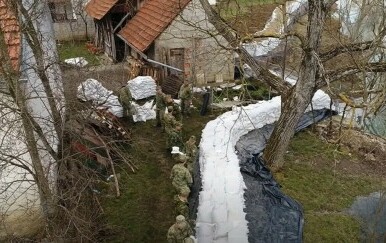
point(330, 228)
point(73, 49)
point(144, 211)
point(309, 177)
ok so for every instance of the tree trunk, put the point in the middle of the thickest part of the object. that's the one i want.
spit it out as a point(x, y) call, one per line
point(296, 101)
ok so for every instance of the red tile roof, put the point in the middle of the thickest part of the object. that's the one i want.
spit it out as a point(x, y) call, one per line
point(150, 21)
point(99, 8)
point(9, 26)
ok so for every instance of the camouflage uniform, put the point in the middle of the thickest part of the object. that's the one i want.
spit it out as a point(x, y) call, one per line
point(124, 98)
point(177, 112)
point(179, 232)
point(170, 121)
point(191, 152)
point(185, 94)
point(160, 106)
point(173, 129)
point(181, 206)
point(174, 139)
point(181, 178)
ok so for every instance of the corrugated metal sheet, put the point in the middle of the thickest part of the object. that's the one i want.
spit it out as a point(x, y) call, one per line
point(150, 21)
point(9, 25)
point(99, 8)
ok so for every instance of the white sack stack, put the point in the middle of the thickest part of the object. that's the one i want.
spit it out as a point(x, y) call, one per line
point(142, 87)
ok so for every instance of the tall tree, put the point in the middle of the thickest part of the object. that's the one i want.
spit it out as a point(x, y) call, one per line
point(312, 74)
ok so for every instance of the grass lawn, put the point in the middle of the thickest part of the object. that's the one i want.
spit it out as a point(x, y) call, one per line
point(73, 49)
point(311, 176)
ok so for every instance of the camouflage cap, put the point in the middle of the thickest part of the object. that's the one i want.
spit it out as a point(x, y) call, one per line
point(180, 218)
point(182, 158)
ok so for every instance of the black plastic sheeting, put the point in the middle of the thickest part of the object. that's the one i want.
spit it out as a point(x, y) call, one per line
point(272, 216)
point(195, 190)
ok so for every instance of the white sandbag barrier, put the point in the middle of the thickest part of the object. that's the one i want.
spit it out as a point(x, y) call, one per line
point(221, 216)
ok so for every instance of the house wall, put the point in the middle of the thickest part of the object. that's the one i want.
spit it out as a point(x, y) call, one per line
point(19, 197)
point(204, 60)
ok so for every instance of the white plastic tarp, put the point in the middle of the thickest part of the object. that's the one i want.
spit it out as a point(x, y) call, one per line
point(77, 61)
point(144, 112)
point(93, 90)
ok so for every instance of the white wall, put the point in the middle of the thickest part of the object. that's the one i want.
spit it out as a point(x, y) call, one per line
point(19, 200)
point(203, 55)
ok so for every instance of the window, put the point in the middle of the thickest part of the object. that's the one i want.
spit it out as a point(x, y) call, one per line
point(61, 10)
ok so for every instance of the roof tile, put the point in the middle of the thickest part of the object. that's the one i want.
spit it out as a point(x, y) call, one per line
point(99, 8)
point(150, 21)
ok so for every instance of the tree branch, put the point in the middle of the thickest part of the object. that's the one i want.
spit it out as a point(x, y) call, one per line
point(352, 47)
point(336, 75)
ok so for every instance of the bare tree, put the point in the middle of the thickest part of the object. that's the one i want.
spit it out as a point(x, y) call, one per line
point(39, 169)
point(312, 74)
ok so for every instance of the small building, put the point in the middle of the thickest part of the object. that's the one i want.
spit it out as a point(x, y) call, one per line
point(173, 36)
point(109, 16)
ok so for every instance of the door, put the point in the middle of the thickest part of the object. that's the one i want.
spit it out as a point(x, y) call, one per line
point(177, 60)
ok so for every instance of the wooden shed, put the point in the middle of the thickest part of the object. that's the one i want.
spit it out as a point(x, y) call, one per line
point(109, 16)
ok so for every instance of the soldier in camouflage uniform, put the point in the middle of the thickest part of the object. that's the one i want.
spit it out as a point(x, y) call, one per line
point(181, 177)
point(180, 232)
point(191, 152)
point(176, 108)
point(124, 98)
point(173, 130)
point(170, 121)
point(185, 95)
point(181, 204)
point(160, 105)
point(175, 138)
